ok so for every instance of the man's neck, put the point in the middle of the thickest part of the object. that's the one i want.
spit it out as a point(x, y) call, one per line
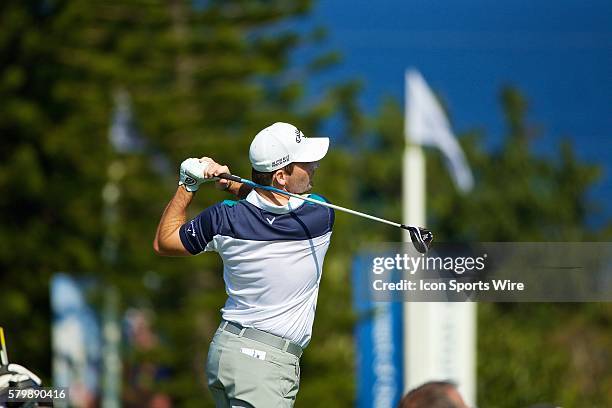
point(274, 198)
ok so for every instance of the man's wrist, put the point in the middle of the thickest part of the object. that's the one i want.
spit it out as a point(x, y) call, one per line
point(183, 191)
point(183, 187)
point(236, 189)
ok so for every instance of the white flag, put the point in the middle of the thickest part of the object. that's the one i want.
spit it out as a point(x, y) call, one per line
point(426, 124)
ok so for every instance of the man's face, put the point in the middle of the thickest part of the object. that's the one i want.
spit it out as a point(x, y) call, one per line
point(300, 180)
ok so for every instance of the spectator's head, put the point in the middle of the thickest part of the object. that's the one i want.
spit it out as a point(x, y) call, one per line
point(434, 394)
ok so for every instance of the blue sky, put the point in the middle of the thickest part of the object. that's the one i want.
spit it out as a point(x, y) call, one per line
point(558, 53)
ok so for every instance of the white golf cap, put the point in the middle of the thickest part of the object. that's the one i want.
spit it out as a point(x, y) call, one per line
point(282, 143)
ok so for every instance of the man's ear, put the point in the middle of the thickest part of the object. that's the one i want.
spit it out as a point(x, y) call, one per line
point(280, 178)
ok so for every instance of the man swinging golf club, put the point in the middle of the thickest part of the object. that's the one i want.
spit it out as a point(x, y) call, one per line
point(273, 244)
point(272, 248)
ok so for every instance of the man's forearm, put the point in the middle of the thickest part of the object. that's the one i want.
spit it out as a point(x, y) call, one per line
point(173, 217)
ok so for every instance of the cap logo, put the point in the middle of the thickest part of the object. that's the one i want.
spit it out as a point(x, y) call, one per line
point(280, 161)
point(298, 135)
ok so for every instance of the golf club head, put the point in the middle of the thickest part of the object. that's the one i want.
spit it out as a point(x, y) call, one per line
point(421, 238)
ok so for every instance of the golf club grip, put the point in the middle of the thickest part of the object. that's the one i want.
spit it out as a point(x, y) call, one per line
point(230, 177)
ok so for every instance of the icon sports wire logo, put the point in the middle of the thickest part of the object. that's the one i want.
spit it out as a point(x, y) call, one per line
point(487, 272)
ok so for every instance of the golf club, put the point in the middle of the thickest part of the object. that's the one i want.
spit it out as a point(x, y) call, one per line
point(3, 354)
point(421, 237)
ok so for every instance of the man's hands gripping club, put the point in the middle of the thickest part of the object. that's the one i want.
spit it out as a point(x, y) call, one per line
point(194, 172)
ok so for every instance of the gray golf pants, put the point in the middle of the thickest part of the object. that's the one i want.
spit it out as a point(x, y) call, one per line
point(246, 373)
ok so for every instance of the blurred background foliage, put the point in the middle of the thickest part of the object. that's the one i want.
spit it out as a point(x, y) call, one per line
point(203, 77)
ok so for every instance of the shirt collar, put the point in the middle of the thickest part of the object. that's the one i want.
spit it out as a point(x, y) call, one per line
point(261, 202)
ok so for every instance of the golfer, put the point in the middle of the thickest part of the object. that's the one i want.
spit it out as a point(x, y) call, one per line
point(273, 249)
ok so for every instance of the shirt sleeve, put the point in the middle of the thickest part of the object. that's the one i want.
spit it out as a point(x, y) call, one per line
point(331, 213)
point(197, 234)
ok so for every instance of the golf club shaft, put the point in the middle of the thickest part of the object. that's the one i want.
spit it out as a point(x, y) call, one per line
point(3, 354)
point(312, 200)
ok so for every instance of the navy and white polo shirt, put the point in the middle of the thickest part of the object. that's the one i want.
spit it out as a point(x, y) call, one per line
point(272, 260)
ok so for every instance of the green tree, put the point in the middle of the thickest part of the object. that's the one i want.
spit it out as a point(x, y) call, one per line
point(203, 78)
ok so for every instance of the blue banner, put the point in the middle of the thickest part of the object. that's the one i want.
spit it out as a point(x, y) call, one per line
point(76, 345)
point(379, 344)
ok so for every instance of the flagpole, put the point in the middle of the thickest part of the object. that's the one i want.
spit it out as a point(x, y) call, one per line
point(414, 213)
point(439, 338)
